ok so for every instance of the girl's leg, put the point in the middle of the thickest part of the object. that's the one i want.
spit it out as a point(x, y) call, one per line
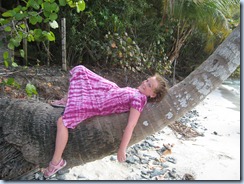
point(61, 140)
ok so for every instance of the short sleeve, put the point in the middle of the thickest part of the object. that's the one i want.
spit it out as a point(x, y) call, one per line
point(138, 101)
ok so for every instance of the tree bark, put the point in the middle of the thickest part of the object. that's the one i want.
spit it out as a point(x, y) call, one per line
point(28, 128)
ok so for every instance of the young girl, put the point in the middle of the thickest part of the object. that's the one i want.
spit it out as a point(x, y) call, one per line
point(91, 95)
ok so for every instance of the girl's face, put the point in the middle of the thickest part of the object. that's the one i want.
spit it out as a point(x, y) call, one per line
point(148, 86)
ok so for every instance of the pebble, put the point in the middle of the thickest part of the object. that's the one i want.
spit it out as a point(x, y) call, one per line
point(171, 159)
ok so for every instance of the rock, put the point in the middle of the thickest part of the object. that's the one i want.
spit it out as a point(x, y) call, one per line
point(157, 172)
point(164, 165)
point(146, 177)
point(63, 171)
point(144, 172)
point(171, 159)
point(39, 176)
point(144, 161)
point(113, 158)
point(172, 174)
point(61, 177)
point(188, 177)
point(81, 176)
point(130, 160)
point(151, 143)
point(156, 162)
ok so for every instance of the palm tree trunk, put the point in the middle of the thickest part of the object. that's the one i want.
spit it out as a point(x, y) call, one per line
point(29, 127)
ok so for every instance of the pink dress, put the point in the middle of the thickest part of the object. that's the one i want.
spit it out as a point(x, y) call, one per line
point(91, 95)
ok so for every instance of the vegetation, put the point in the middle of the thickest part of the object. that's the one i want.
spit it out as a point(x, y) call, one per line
point(31, 21)
point(140, 35)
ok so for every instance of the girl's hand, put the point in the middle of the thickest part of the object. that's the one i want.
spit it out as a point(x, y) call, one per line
point(132, 121)
point(121, 155)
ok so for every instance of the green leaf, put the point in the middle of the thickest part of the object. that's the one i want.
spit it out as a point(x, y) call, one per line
point(11, 46)
point(5, 55)
point(33, 4)
point(10, 81)
point(81, 5)
point(30, 38)
point(19, 16)
point(37, 32)
point(50, 36)
point(17, 9)
point(47, 7)
point(39, 2)
point(4, 21)
point(53, 24)
point(55, 7)
point(7, 29)
point(71, 3)
point(62, 2)
point(38, 35)
point(53, 16)
point(32, 13)
point(6, 63)
point(14, 64)
point(9, 13)
point(33, 20)
point(46, 20)
point(39, 19)
point(46, 13)
point(30, 89)
point(23, 26)
point(15, 41)
point(22, 53)
point(24, 8)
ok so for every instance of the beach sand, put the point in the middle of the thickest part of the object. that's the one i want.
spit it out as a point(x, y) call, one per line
point(214, 156)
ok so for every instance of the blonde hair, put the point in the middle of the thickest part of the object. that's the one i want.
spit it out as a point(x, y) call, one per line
point(161, 89)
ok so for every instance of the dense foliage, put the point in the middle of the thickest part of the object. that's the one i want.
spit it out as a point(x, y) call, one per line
point(143, 35)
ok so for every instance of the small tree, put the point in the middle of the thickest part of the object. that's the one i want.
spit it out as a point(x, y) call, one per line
point(28, 22)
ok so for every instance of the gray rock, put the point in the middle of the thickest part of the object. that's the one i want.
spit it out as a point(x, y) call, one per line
point(61, 177)
point(131, 160)
point(144, 161)
point(63, 171)
point(147, 177)
point(151, 143)
point(113, 158)
point(171, 159)
point(157, 172)
point(80, 176)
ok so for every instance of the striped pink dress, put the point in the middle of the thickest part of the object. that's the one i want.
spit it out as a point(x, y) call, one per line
point(91, 95)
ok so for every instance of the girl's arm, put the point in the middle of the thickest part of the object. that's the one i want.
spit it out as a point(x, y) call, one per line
point(132, 121)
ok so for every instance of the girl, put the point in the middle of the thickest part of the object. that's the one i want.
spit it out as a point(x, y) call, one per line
point(91, 95)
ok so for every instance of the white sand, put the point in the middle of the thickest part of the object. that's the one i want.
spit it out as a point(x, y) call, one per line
point(215, 156)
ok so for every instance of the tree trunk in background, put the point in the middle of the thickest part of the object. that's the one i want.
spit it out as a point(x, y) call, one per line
point(28, 128)
point(178, 43)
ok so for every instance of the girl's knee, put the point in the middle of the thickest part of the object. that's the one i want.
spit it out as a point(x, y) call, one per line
point(60, 121)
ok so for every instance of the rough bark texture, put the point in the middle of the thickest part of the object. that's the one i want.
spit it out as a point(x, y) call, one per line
point(28, 128)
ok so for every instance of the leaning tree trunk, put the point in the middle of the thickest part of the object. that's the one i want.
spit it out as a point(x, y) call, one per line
point(28, 128)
